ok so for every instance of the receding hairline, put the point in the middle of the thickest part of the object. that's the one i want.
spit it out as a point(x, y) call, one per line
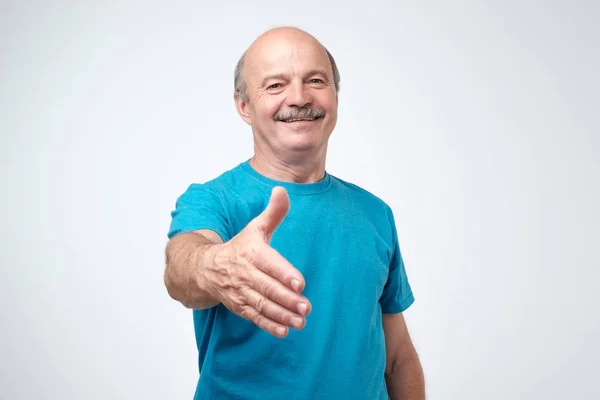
point(240, 85)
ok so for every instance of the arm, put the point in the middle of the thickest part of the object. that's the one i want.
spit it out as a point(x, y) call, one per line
point(403, 371)
point(187, 256)
point(244, 274)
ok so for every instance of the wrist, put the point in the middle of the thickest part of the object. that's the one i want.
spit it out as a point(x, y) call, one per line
point(207, 269)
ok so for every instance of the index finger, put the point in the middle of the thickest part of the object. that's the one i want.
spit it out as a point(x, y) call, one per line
point(272, 263)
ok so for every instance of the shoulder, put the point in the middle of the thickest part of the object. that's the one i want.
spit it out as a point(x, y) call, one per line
point(217, 185)
point(366, 206)
point(206, 205)
point(214, 193)
point(360, 194)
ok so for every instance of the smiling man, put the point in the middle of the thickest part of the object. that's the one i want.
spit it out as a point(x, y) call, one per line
point(295, 276)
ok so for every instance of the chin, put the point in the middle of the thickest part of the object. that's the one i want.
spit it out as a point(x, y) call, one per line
point(301, 149)
point(303, 143)
point(300, 145)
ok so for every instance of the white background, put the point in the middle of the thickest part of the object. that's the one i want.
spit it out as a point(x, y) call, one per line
point(476, 121)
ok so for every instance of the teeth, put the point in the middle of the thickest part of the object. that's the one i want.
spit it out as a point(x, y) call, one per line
point(300, 119)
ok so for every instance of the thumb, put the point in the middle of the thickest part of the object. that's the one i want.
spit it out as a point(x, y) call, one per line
point(273, 215)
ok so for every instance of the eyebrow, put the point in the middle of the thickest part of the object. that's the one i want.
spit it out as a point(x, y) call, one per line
point(286, 76)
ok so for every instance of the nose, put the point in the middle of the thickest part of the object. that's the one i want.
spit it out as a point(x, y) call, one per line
point(298, 95)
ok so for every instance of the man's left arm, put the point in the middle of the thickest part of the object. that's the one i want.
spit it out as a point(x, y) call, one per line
point(403, 371)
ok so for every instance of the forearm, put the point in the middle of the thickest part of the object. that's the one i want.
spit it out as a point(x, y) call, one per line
point(405, 380)
point(187, 255)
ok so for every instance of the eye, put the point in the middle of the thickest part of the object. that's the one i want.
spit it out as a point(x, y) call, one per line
point(316, 80)
point(274, 86)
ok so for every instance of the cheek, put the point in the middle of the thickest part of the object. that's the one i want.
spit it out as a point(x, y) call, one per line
point(270, 107)
point(328, 101)
point(330, 105)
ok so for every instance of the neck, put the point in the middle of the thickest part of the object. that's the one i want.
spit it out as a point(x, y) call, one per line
point(299, 170)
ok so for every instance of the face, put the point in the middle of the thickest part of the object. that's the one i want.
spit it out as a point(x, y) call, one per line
point(292, 105)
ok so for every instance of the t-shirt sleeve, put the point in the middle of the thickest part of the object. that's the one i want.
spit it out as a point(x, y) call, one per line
point(199, 207)
point(397, 294)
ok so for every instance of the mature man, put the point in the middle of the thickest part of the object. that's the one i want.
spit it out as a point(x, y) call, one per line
point(295, 276)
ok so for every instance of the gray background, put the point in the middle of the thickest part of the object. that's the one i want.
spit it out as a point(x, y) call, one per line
point(476, 121)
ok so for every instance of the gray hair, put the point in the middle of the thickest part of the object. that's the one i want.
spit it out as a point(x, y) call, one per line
point(239, 83)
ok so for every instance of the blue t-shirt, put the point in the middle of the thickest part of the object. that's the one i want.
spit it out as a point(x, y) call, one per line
point(344, 242)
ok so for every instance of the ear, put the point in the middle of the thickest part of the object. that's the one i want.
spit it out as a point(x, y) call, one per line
point(242, 108)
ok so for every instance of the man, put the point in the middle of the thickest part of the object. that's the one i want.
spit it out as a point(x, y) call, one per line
point(295, 276)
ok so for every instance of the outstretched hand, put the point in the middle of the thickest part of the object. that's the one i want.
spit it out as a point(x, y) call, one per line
point(254, 281)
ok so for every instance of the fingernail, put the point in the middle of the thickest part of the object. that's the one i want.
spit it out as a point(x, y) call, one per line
point(280, 331)
point(295, 284)
point(296, 322)
point(302, 308)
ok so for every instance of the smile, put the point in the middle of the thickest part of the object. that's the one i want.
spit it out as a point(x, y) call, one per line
point(287, 121)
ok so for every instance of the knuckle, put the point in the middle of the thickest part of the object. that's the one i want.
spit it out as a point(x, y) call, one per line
point(285, 318)
point(266, 289)
point(239, 298)
point(239, 276)
point(237, 305)
point(245, 311)
point(256, 319)
point(261, 304)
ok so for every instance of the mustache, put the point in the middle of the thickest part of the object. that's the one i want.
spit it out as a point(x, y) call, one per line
point(304, 112)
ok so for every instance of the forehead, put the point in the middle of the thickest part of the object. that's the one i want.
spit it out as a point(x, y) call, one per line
point(286, 55)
